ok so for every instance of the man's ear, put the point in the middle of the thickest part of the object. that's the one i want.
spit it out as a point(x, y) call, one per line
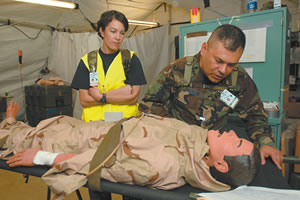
point(204, 47)
point(221, 166)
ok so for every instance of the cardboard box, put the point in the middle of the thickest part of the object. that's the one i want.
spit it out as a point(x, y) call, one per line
point(294, 109)
point(297, 150)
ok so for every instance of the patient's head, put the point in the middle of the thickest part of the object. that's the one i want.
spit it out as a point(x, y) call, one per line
point(233, 160)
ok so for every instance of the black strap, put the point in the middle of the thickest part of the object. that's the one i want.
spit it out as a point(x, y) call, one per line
point(92, 61)
point(125, 53)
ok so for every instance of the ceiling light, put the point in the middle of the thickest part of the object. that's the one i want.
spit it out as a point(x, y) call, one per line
point(143, 23)
point(55, 3)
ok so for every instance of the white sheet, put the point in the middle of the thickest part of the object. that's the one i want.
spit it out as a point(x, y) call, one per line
point(253, 193)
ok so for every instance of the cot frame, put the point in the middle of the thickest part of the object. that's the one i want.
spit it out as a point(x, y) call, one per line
point(269, 176)
point(144, 193)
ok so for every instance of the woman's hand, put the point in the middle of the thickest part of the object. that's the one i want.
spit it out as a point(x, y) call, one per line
point(124, 95)
point(95, 93)
point(125, 90)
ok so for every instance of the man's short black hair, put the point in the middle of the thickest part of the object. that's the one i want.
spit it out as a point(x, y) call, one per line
point(108, 16)
point(242, 169)
point(231, 36)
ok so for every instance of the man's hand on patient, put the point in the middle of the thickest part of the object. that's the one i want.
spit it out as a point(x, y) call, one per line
point(267, 151)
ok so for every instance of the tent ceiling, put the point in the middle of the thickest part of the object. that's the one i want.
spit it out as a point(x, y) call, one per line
point(74, 19)
point(92, 9)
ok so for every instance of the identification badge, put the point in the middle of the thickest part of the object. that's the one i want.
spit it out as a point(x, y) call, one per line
point(93, 79)
point(229, 99)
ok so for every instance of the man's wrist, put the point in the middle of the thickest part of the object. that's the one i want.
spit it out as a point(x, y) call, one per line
point(264, 141)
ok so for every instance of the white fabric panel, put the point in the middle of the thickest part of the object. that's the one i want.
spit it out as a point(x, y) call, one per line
point(65, 54)
point(35, 53)
point(153, 51)
point(67, 49)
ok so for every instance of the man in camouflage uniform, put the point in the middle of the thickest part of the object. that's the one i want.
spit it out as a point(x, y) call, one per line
point(216, 87)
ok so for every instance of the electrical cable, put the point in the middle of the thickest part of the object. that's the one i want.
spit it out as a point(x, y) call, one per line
point(31, 38)
point(93, 25)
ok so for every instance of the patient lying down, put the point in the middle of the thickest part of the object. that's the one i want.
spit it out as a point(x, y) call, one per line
point(158, 152)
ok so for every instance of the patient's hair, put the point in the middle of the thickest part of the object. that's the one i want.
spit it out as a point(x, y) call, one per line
point(242, 169)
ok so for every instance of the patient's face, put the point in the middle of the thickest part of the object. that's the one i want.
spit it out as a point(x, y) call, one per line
point(227, 144)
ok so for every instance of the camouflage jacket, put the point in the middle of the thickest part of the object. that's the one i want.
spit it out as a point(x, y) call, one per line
point(199, 102)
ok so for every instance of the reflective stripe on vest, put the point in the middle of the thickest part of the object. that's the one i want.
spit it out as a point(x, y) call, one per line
point(114, 79)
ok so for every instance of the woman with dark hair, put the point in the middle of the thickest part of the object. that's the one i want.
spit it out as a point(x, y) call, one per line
point(109, 79)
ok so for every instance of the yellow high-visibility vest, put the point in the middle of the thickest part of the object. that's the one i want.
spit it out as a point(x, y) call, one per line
point(114, 79)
